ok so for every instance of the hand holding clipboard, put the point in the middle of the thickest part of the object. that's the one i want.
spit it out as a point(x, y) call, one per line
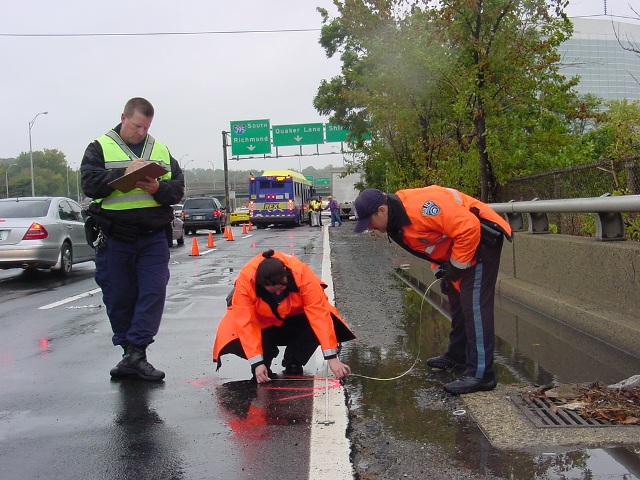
point(138, 177)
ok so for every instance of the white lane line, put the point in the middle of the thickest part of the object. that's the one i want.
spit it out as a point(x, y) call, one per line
point(70, 299)
point(329, 439)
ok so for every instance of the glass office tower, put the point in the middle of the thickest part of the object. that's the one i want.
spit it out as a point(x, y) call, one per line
point(604, 67)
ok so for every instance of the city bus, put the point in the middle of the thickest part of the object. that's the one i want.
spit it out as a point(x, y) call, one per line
point(279, 197)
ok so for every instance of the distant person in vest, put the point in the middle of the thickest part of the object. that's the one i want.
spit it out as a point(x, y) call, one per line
point(277, 300)
point(132, 254)
point(462, 238)
point(316, 208)
point(319, 210)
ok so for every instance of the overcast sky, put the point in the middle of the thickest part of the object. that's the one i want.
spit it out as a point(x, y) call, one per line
point(197, 83)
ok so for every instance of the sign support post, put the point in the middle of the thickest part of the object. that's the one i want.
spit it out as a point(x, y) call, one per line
point(226, 174)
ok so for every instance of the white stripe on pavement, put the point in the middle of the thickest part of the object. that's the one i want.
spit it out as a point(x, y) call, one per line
point(70, 299)
point(329, 421)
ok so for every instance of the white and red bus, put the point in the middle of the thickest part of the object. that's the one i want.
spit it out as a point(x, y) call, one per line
point(279, 197)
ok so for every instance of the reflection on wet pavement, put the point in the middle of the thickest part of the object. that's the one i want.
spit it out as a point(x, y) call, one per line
point(530, 349)
point(140, 437)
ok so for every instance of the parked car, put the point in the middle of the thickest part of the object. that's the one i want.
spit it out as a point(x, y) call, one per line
point(240, 216)
point(177, 210)
point(177, 232)
point(43, 233)
point(203, 212)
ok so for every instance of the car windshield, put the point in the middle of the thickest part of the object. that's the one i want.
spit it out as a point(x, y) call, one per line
point(24, 208)
point(199, 203)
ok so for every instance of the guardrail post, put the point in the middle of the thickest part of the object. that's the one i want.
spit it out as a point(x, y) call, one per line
point(609, 226)
point(538, 223)
point(516, 221)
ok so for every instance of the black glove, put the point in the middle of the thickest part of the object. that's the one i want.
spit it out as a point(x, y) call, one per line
point(451, 273)
point(447, 275)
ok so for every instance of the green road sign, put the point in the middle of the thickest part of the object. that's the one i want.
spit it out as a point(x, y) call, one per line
point(334, 133)
point(303, 134)
point(310, 178)
point(323, 181)
point(250, 137)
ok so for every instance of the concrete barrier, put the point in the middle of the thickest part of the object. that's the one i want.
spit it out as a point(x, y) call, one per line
point(590, 285)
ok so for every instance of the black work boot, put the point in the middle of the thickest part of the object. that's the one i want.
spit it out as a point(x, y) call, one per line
point(292, 366)
point(134, 362)
point(444, 363)
point(114, 371)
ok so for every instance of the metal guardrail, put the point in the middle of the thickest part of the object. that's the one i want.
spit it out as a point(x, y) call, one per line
point(607, 210)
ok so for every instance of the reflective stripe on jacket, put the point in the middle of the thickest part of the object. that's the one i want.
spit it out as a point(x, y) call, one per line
point(248, 315)
point(116, 157)
point(442, 226)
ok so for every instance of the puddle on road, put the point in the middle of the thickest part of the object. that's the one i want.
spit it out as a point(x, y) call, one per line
point(530, 348)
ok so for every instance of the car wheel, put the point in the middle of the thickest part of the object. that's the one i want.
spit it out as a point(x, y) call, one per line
point(66, 260)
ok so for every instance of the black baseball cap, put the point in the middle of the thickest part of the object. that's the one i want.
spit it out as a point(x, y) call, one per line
point(366, 204)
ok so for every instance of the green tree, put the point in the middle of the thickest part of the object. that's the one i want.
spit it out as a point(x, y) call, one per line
point(623, 126)
point(466, 94)
point(49, 173)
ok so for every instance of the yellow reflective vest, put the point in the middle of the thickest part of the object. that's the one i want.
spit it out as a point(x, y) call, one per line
point(117, 156)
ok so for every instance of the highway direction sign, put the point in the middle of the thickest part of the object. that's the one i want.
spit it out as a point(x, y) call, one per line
point(335, 133)
point(250, 137)
point(303, 134)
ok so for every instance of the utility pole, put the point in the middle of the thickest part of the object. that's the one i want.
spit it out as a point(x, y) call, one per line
point(226, 172)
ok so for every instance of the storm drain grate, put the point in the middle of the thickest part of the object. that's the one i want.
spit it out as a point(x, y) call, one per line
point(544, 413)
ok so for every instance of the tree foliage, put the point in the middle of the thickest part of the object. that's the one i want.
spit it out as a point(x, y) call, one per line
point(466, 94)
point(51, 173)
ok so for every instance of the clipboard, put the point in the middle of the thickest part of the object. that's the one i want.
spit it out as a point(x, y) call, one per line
point(127, 182)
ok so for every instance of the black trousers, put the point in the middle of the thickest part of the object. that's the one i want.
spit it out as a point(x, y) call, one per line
point(472, 336)
point(296, 335)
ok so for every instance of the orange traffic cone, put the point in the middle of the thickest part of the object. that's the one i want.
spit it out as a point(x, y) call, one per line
point(250, 226)
point(195, 252)
point(210, 243)
point(230, 234)
point(225, 234)
point(244, 228)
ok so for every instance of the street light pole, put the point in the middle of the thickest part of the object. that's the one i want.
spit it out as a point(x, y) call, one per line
point(6, 177)
point(182, 167)
point(184, 171)
point(214, 174)
point(33, 187)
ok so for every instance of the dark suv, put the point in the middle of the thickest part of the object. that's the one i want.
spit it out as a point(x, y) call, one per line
point(203, 212)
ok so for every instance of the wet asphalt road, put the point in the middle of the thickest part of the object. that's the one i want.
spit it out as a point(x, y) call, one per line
point(62, 417)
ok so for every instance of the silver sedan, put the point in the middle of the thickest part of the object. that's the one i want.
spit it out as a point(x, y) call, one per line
point(43, 233)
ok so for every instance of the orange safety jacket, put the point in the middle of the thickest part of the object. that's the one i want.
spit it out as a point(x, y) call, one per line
point(443, 226)
point(248, 314)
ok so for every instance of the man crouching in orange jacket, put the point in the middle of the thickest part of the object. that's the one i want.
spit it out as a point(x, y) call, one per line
point(277, 300)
